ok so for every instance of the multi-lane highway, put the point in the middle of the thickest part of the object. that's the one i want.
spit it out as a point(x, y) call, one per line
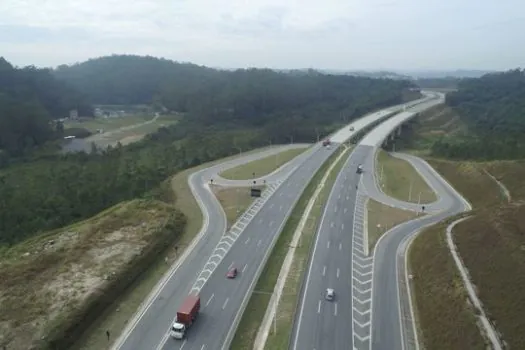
point(246, 246)
point(364, 285)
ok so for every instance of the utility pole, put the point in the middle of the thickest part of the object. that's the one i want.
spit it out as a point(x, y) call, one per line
point(410, 191)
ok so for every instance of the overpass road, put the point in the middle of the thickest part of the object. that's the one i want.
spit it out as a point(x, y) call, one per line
point(368, 308)
point(246, 245)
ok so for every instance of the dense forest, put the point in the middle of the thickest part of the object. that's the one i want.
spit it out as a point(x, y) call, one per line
point(493, 109)
point(222, 111)
point(30, 99)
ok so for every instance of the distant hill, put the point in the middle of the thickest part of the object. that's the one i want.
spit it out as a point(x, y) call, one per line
point(30, 99)
point(493, 108)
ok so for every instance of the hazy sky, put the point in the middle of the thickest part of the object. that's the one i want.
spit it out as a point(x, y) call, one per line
point(330, 34)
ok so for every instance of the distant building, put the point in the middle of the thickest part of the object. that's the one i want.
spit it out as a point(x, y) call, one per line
point(73, 114)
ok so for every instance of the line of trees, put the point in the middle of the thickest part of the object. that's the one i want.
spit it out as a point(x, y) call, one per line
point(222, 111)
point(30, 99)
point(493, 109)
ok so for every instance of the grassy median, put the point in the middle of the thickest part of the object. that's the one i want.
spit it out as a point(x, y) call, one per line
point(234, 200)
point(382, 218)
point(256, 308)
point(398, 179)
point(263, 166)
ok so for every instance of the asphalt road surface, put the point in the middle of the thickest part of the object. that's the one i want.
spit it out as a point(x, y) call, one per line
point(223, 300)
point(340, 259)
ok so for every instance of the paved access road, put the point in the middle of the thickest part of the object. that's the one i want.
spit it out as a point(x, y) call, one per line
point(222, 299)
point(340, 258)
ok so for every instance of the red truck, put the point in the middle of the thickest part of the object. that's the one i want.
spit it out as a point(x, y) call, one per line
point(186, 315)
point(327, 142)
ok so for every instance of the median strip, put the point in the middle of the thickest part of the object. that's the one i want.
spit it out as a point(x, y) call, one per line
point(281, 278)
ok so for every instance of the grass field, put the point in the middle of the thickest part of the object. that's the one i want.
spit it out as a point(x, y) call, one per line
point(262, 166)
point(445, 318)
point(399, 179)
point(45, 280)
point(254, 313)
point(382, 218)
point(234, 200)
point(116, 318)
point(107, 124)
point(491, 246)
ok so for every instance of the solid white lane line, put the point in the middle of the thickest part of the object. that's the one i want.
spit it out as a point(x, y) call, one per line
point(225, 303)
point(244, 268)
point(324, 270)
point(319, 307)
point(337, 274)
point(209, 300)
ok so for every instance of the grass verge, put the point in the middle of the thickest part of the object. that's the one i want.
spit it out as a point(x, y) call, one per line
point(382, 218)
point(254, 313)
point(262, 166)
point(445, 319)
point(398, 179)
point(75, 271)
point(122, 310)
point(234, 200)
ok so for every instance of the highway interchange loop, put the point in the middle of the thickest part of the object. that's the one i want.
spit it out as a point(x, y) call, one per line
point(368, 286)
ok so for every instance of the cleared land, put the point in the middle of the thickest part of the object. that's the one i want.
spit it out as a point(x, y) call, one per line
point(254, 313)
point(382, 218)
point(262, 166)
point(47, 281)
point(107, 124)
point(234, 200)
point(399, 179)
point(117, 316)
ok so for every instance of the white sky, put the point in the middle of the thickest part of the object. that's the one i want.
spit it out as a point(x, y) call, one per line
point(329, 34)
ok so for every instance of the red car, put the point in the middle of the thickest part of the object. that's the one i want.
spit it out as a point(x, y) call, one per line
point(232, 273)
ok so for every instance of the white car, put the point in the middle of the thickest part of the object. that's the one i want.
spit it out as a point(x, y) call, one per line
point(330, 294)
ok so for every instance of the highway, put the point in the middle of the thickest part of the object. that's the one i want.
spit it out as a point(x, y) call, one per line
point(246, 245)
point(364, 284)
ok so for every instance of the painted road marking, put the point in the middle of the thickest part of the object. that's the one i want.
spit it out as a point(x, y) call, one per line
point(244, 268)
point(319, 307)
point(324, 270)
point(337, 274)
point(225, 303)
point(340, 246)
point(247, 240)
point(328, 244)
point(259, 243)
point(209, 300)
point(335, 310)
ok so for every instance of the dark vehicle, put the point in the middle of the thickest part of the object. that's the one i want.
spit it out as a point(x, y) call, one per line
point(359, 169)
point(327, 142)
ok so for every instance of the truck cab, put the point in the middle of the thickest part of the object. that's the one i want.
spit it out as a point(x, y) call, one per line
point(178, 330)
